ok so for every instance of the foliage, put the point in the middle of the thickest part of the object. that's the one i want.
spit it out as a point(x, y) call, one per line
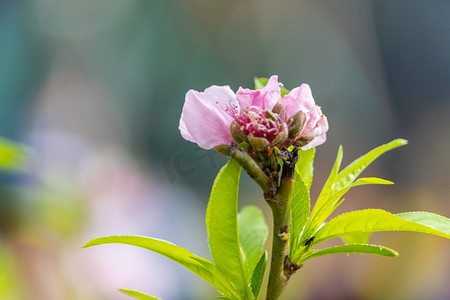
point(236, 240)
point(13, 156)
point(138, 295)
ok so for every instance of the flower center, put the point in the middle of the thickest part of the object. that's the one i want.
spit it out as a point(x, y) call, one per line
point(258, 122)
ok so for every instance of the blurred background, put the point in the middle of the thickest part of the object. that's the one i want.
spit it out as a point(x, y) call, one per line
point(95, 88)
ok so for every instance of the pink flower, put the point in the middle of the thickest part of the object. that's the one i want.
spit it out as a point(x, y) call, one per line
point(261, 118)
point(316, 125)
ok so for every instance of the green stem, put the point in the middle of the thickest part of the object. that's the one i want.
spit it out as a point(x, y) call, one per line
point(280, 239)
point(280, 267)
point(279, 198)
point(252, 168)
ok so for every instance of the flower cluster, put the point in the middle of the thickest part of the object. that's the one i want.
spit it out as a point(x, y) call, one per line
point(261, 118)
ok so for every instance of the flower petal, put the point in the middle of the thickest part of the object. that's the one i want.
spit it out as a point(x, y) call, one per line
point(204, 119)
point(225, 93)
point(316, 123)
point(183, 130)
point(265, 98)
point(299, 98)
point(318, 132)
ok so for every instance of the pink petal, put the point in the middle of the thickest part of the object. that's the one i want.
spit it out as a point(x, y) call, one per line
point(183, 130)
point(225, 93)
point(204, 119)
point(316, 123)
point(321, 127)
point(299, 98)
point(319, 132)
point(272, 84)
point(265, 98)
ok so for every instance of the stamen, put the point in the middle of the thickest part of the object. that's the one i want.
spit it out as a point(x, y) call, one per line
point(257, 121)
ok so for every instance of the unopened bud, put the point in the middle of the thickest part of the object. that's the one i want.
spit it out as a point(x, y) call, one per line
point(281, 137)
point(237, 133)
point(279, 109)
point(296, 124)
point(270, 115)
point(303, 140)
point(258, 144)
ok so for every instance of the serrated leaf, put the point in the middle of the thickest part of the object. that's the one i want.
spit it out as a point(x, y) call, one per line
point(335, 200)
point(327, 189)
point(253, 232)
point(314, 220)
point(357, 238)
point(261, 82)
point(222, 226)
point(138, 295)
point(258, 274)
point(332, 201)
point(429, 219)
point(371, 220)
point(196, 264)
point(13, 156)
point(305, 166)
point(348, 175)
point(353, 248)
point(300, 207)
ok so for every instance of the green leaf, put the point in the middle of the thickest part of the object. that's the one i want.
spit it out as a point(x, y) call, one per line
point(371, 220)
point(353, 248)
point(332, 201)
point(284, 91)
point(13, 156)
point(335, 200)
point(371, 180)
point(432, 220)
point(348, 175)
point(315, 219)
point(258, 274)
point(138, 295)
point(222, 227)
point(357, 238)
point(253, 232)
point(327, 189)
point(300, 207)
point(305, 167)
point(261, 82)
point(196, 264)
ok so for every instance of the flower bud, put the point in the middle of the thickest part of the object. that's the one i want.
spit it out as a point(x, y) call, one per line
point(303, 140)
point(271, 116)
point(296, 124)
point(237, 133)
point(279, 109)
point(259, 144)
point(281, 138)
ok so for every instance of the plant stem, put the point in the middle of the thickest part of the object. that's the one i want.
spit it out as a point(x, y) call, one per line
point(252, 168)
point(280, 265)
